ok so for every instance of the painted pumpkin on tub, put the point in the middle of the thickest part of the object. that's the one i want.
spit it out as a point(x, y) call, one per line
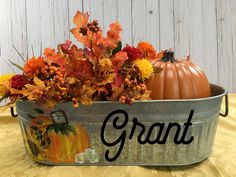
point(179, 79)
point(58, 142)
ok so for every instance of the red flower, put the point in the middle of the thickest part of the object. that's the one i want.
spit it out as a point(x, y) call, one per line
point(18, 81)
point(132, 52)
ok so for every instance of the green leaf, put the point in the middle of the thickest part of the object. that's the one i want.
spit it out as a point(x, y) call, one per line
point(19, 53)
point(33, 148)
point(56, 129)
point(16, 65)
point(39, 111)
point(39, 122)
point(48, 140)
point(34, 127)
point(31, 117)
point(70, 128)
point(50, 127)
point(63, 132)
point(118, 48)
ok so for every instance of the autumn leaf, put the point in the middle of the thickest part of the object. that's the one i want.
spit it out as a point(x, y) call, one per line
point(80, 19)
point(117, 91)
point(117, 81)
point(32, 92)
point(82, 69)
point(38, 82)
point(119, 60)
point(114, 32)
point(15, 91)
point(75, 53)
point(65, 46)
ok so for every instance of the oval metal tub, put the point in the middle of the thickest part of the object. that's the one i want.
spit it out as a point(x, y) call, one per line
point(93, 135)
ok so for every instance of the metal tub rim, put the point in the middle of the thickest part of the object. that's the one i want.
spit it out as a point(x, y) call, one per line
point(214, 96)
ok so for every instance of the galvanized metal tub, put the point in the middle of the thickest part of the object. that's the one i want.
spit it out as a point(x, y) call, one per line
point(92, 118)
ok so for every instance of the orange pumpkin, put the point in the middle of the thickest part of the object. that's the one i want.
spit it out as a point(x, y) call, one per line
point(179, 79)
point(58, 143)
point(63, 148)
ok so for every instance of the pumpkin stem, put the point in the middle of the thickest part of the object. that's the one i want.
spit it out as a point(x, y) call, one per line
point(168, 55)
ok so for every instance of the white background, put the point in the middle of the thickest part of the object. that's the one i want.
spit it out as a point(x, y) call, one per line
point(206, 29)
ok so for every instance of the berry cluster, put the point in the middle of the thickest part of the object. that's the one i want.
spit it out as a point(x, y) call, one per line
point(49, 70)
point(52, 76)
point(134, 90)
point(93, 27)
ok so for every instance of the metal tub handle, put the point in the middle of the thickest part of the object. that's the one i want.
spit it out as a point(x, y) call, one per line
point(226, 107)
point(13, 114)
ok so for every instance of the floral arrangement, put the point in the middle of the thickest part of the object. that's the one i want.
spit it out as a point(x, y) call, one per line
point(101, 71)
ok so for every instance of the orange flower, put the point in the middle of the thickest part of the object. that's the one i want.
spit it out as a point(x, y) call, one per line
point(33, 66)
point(159, 55)
point(49, 52)
point(147, 50)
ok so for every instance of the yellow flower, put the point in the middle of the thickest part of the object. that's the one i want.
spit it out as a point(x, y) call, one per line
point(3, 78)
point(145, 68)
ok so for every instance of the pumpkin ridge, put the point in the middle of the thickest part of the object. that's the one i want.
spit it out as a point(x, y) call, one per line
point(177, 73)
point(163, 88)
point(198, 70)
point(187, 83)
point(187, 68)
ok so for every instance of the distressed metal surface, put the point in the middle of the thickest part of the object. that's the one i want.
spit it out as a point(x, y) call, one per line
point(204, 124)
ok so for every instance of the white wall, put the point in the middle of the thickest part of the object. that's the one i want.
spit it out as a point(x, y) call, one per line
point(206, 29)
